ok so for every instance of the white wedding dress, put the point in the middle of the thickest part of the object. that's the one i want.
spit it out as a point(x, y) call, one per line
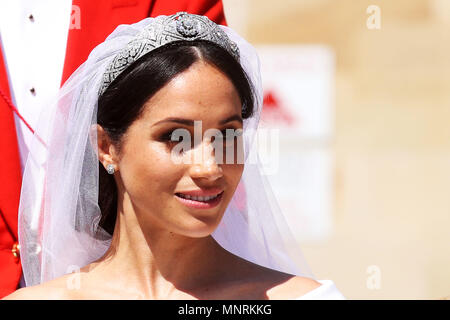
point(327, 291)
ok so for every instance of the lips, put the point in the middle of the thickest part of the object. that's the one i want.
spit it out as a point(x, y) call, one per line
point(201, 192)
point(200, 199)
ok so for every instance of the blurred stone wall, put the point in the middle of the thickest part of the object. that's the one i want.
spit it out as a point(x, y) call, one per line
point(392, 139)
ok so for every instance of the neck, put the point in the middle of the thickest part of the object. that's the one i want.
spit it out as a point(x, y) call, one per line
point(160, 264)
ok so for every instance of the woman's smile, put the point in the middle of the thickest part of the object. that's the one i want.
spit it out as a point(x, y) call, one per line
point(200, 202)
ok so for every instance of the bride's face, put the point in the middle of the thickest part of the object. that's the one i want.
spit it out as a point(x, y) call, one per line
point(155, 179)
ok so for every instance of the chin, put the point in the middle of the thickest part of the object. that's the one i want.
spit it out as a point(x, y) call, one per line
point(201, 228)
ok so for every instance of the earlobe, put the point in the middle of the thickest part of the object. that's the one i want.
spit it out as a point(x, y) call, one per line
point(105, 155)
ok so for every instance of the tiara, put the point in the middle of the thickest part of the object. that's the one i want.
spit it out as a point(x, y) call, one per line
point(162, 30)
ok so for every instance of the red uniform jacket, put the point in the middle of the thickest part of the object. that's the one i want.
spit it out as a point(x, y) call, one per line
point(97, 19)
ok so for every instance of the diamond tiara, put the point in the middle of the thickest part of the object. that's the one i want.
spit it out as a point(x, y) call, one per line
point(162, 30)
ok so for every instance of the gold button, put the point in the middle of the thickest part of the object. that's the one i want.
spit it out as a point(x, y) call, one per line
point(16, 250)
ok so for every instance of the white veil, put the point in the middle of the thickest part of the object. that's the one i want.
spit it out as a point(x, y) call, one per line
point(59, 213)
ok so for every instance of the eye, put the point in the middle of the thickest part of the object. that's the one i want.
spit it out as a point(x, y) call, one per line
point(167, 136)
point(171, 139)
point(231, 135)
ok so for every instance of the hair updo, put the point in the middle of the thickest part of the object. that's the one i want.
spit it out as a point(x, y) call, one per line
point(122, 102)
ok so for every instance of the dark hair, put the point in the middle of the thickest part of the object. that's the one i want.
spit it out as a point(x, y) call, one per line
point(122, 102)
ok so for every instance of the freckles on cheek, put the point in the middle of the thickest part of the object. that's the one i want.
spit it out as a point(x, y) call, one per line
point(152, 166)
point(233, 172)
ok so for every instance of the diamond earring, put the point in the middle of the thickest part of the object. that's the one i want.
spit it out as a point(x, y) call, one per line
point(110, 168)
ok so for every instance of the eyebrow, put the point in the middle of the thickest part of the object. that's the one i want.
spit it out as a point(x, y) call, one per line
point(190, 122)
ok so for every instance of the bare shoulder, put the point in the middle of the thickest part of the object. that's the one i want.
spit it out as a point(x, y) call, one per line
point(276, 285)
point(39, 292)
point(52, 290)
point(292, 287)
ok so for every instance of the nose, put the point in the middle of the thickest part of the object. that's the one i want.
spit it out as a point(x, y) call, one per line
point(205, 164)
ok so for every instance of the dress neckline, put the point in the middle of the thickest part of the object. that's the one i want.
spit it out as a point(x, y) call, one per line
point(326, 291)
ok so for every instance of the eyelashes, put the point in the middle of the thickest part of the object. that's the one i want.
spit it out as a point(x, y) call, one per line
point(167, 137)
point(229, 141)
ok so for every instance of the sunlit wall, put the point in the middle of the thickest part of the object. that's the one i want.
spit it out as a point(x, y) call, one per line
point(390, 234)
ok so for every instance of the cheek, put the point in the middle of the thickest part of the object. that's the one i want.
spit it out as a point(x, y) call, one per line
point(233, 172)
point(146, 170)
